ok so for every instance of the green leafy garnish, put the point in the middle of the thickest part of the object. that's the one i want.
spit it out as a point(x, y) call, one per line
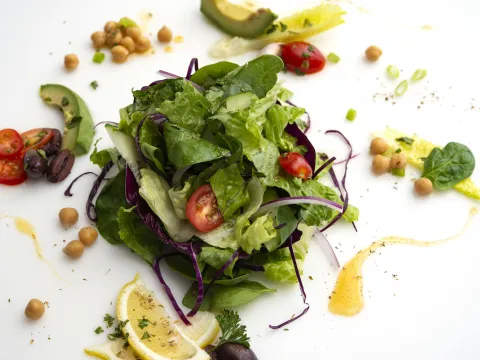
point(448, 166)
point(283, 26)
point(98, 57)
point(405, 139)
point(42, 153)
point(146, 335)
point(307, 23)
point(143, 323)
point(65, 101)
point(108, 319)
point(98, 330)
point(94, 85)
point(232, 330)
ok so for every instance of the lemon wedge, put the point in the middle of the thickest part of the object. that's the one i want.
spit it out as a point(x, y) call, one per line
point(204, 329)
point(112, 350)
point(152, 334)
point(299, 26)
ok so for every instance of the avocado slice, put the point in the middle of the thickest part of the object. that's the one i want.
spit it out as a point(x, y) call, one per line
point(78, 131)
point(237, 20)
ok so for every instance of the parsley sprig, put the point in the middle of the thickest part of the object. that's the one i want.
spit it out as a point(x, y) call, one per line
point(232, 330)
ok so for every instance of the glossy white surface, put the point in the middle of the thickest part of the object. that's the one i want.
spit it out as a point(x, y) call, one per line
point(430, 312)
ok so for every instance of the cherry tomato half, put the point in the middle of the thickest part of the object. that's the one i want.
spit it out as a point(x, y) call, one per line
point(12, 171)
point(36, 138)
point(11, 144)
point(295, 164)
point(302, 58)
point(202, 209)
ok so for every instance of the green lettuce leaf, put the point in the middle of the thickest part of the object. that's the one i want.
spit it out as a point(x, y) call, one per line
point(261, 231)
point(180, 195)
point(230, 190)
point(103, 157)
point(222, 237)
point(139, 238)
point(283, 216)
point(186, 148)
point(216, 258)
point(187, 110)
point(208, 75)
point(277, 119)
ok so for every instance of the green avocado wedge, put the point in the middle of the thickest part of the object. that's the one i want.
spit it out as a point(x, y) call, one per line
point(237, 20)
point(78, 130)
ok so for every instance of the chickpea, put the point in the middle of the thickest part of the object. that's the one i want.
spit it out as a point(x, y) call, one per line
point(423, 186)
point(74, 249)
point(398, 161)
point(373, 53)
point(110, 26)
point(380, 164)
point(378, 146)
point(143, 44)
point(133, 32)
point(87, 235)
point(35, 309)
point(98, 38)
point(114, 38)
point(164, 35)
point(128, 43)
point(119, 54)
point(71, 62)
point(68, 217)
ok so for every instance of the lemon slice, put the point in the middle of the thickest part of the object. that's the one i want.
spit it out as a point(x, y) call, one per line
point(112, 350)
point(204, 329)
point(152, 334)
point(296, 27)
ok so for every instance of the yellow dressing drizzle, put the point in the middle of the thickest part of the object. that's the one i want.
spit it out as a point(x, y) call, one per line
point(178, 39)
point(347, 296)
point(168, 49)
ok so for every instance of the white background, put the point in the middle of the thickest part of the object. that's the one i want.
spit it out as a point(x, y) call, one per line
point(431, 312)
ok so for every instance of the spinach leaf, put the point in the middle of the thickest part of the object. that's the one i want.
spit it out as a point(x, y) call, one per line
point(447, 167)
point(216, 258)
point(138, 237)
point(109, 202)
point(186, 148)
point(187, 110)
point(237, 276)
point(257, 76)
point(147, 101)
point(208, 75)
point(183, 265)
point(230, 190)
point(223, 297)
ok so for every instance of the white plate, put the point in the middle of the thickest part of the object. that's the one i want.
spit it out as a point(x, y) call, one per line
point(431, 312)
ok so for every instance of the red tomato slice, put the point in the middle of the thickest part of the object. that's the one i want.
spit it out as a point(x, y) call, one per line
point(12, 171)
point(302, 58)
point(36, 138)
point(295, 164)
point(202, 209)
point(11, 144)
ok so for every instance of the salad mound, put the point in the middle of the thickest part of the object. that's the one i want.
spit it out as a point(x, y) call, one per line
point(200, 183)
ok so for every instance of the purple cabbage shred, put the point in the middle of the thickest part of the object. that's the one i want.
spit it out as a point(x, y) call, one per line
point(69, 188)
point(91, 211)
point(302, 139)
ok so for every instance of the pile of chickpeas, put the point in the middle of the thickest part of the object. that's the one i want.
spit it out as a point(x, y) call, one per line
point(122, 41)
point(382, 164)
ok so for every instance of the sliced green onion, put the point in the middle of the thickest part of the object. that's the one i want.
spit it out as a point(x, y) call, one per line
point(98, 57)
point(127, 22)
point(419, 74)
point(398, 172)
point(401, 88)
point(333, 57)
point(351, 114)
point(393, 72)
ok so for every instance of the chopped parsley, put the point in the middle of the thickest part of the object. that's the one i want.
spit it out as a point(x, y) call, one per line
point(65, 101)
point(311, 48)
point(307, 23)
point(108, 319)
point(299, 72)
point(143, 323)
point(98, 330)
point(232, 330)
point(305, 64)
point(398, 151)
point(272, 29)
point(118, 334)
point(405, 139)
point(305, 55)
point(146, 335)
point(94, 85)
point(283, 26)
point(42, 153)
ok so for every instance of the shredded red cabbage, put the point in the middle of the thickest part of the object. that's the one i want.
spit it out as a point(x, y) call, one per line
point(302, 139)
point(69, 188)
point(166, 288)
point(345, 160)
point(193, 63)
point(335, 181)
point(309, 122)
point(91, 211)
point(222, 270)
point(200, 286)
point(295, 200)
point(113, 123)
point(302, 290)
point(324, 165)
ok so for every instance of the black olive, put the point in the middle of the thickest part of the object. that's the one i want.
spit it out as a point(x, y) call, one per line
point(231, 351)
point(53, 146)
point(60, 166)
point(35, 164)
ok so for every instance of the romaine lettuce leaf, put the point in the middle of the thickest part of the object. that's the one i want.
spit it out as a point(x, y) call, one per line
point(230, 190)
point(283, 216)
point(180, 195)
point(222, 237)
point(261, 231)
point(216, 258)
point(187, 148)
point(277, 119)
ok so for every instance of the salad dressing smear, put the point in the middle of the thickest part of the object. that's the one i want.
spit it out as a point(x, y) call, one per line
point(347, 296)
point(24, 227)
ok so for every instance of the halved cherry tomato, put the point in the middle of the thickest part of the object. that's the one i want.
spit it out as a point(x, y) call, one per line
point(295, 164)
point(202, 209)
point(36, 138)
point(11, 144)
point(302, 58)
point(12, 171)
